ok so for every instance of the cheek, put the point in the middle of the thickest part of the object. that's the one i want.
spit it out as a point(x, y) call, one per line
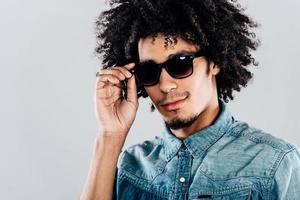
point(200, 88)
point(197, 83)
point(151, 93)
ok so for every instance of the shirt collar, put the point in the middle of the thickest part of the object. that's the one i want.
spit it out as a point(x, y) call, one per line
point(200, 141)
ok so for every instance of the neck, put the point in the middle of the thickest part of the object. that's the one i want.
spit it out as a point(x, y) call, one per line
point(205, 119)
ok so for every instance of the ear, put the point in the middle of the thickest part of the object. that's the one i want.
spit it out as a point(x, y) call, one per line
point(214, 68)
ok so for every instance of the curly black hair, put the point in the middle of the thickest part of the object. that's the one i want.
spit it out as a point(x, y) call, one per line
point(218, 26)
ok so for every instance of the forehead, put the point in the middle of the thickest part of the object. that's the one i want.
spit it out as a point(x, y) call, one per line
point(156, 50)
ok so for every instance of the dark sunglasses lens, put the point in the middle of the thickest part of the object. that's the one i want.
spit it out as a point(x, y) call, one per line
point(180, 67)
point(148, 73)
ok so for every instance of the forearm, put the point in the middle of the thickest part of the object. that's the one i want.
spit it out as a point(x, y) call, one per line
point(99, 184)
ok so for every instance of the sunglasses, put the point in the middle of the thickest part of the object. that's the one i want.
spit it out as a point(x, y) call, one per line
point(178, 66)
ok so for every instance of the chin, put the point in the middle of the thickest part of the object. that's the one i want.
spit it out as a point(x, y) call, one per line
point(176, 114)
point(182, 122)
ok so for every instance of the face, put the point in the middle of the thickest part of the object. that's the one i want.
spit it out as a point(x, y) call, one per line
point(179, 101)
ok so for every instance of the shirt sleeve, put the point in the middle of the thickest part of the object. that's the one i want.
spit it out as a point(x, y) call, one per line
point(287, 177)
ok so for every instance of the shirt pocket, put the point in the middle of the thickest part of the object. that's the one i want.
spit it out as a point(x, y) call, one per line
point(248, 194)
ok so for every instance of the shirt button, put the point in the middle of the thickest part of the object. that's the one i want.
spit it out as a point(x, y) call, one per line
point(182, 179)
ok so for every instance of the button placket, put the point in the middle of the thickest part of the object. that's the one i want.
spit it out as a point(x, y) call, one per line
point(182, 179)
point(183, 173)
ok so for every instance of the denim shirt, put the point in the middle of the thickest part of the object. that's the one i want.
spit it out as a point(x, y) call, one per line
point(227, 160)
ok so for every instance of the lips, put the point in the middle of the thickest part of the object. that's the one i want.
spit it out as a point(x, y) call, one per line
point(175, 104)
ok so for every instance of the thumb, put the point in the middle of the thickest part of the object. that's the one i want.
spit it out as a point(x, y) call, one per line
point(131, 85)
point(131, 90)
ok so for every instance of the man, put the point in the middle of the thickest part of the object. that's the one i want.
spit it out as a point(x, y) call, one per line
point(188, 56)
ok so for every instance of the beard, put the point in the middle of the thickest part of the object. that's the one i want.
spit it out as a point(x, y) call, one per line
point(178, 123)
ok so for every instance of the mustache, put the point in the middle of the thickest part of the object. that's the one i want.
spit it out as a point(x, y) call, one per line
point(172, 96)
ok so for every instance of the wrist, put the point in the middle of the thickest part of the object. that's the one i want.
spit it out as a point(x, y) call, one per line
point(110, 141)
point(112, 134)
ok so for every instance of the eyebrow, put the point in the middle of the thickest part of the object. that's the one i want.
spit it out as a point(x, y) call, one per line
point(180, 53)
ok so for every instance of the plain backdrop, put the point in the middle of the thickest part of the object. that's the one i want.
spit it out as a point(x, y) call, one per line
point(47, 114)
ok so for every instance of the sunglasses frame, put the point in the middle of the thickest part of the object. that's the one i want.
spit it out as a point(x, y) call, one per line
point(191, 55)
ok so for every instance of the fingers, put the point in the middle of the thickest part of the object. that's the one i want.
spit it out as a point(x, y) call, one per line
point(121, 72)
point(129, 66)
point(108, 95)
point(107, 90)
point(104, 78)
point(131, 90)
point(113, 76)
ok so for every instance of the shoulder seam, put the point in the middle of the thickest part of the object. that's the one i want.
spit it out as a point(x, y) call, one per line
point(235, 133)
point(276, 165)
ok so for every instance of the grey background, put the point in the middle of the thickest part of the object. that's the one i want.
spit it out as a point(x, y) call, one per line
point(48, 122)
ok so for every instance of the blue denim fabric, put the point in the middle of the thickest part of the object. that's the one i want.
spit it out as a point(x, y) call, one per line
point(227, 160)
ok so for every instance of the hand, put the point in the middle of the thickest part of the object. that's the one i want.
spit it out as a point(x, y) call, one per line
point(115, 113)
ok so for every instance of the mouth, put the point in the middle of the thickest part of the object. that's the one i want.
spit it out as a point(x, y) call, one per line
point(175, 104)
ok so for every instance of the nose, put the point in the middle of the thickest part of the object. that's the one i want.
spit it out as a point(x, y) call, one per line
point(166, 82)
